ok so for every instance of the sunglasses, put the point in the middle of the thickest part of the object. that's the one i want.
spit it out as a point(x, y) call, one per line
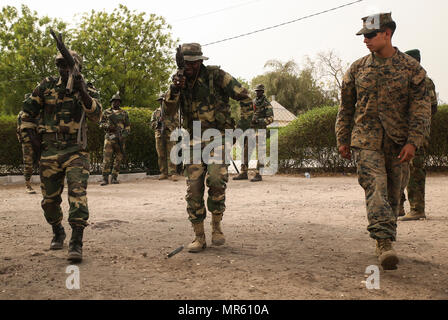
point(372, 34)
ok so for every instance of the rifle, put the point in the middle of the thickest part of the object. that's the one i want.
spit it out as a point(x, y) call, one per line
point(74, 72)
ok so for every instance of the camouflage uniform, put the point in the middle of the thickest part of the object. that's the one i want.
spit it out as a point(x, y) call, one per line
point(386, 101)
point(61, 117)
point(163, 144)
point(414, 176)
point(27, 152)
point(112, 154)
point(206, 99)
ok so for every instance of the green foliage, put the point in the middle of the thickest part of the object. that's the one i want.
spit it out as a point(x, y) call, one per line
point(295, 89)
point(140, 145)
point(309, 142)
point(27, 54)
point(235, 105)
point(127, 52)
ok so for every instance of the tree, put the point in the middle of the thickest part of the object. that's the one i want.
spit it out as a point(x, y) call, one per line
point(27, 53)
point(295, 89)
point(235, 105)
point(127, 52)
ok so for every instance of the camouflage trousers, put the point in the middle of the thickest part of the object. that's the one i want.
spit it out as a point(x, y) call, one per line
point(55, 165)
point(379, 174)
point(28, 160)
point(246, 154)
point(112, 157)
point(215, 176)
point(414, 178)
point(163, 147)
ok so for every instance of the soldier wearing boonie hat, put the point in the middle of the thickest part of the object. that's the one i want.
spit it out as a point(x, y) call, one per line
point(383, 117)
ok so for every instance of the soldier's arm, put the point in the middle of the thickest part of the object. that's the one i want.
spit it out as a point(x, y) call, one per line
point(94, 111)
point(154, 120)
point(346, 110)
point(32, 106)
point(127, 125)
point(269, 113)
point(234, 90)
point(419, 108)
point(432, 96)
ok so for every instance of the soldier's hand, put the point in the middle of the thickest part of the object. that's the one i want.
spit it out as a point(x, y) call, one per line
point(179, 81)
point(407, 153)
point(345, 152)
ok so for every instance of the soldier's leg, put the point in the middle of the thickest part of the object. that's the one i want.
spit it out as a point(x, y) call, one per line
point(172, 172)
point(161, 156)
point(77, 171)
point(118, 158)
point(28, 157)
point(195, 174)
point(217, 179)
point(52, 184)
point(261, 152)
point(372, 177)
point(416, 185)
point(107, 160)
point(244, 161)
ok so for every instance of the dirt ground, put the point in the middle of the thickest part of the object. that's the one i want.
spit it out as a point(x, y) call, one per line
point(287, 238)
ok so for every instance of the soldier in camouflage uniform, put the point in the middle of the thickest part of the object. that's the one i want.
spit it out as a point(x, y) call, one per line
point(164, 146)
point(384, 98)
point(414, 178)
point(203, 95)
point(29, 156)
point(261, 116)
point(62, 128)
point(115, 121)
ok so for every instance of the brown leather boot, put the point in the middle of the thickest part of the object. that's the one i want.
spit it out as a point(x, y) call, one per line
point(386, 254)
point(198, 243)
point(28, 188)
point(218, 238)
point(241, 176)
point(163, 176)
point(413, 216)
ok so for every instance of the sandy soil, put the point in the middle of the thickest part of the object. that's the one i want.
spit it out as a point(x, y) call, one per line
point(287, 238)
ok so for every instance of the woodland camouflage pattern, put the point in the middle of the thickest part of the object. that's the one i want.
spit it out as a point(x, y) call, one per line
point(27, 149)
point(110, 119)
point(59, 115)
point(386, 102)
point(207, 100)
point(163, 144)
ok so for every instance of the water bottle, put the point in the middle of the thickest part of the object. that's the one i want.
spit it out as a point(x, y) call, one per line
point(307, 175)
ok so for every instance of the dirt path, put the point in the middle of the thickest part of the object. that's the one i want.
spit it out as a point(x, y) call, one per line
point(287, 238)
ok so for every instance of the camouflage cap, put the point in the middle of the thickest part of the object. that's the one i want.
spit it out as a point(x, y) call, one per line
point(161, 96)
point(259, 87)
point(75, 55)
point(116, 97)
point(375, 22)
point(192, 52)
point(414, 53)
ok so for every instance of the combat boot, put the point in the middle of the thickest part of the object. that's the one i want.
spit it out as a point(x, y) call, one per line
point(75, 245)
point(105, 180)
point(198, 243)
point(114, 180)
point(386, 254)
point(256, 178)
point(218, 238)
point(241, 176)
point(58, 237)
point(163, 176)
point(173, 177)
point(28, 188)
point(413, 216)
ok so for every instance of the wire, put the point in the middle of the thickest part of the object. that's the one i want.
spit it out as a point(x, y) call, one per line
point(216, 11)
point(282, 24)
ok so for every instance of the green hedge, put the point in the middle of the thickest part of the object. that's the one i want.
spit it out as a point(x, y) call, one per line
point(309, 142)
point(141, 151)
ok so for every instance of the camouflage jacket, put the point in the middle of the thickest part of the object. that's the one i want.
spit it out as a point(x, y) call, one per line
point(383, 98)
point(263, 112)
point(171, 122)
point(432, 95)
point(111, 119)
point(51, 110)
point(207, 99)
point(22, 136)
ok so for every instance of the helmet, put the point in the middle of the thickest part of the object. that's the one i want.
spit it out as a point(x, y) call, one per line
point(116, 97)
point(75, 55)
point(259, 87)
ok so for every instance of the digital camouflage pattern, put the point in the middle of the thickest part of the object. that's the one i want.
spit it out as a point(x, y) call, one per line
point(59, 117)
point(163, 143)
point(27, 149)
point(414, 176)
point(375, 22)
point(375, 97)
point(207, 100)
point(263, 115)
point(113, 122)
point(384, 105)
